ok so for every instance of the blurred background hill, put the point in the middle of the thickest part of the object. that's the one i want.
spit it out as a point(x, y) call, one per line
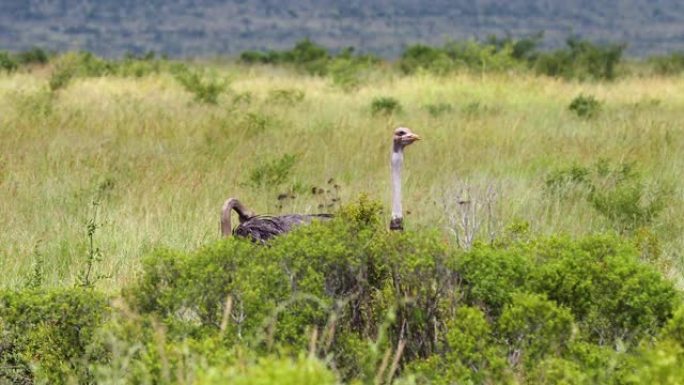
point(214, 27)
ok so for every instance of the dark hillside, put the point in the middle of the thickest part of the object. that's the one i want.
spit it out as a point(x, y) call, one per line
point(208, 27)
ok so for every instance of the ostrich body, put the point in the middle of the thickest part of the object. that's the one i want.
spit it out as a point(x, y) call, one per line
point(261, 228)
point(402, 137)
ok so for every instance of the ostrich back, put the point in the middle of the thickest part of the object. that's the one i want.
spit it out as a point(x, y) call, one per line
point(261, 228)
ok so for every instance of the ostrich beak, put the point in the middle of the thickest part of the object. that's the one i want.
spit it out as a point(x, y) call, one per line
point(412, 137)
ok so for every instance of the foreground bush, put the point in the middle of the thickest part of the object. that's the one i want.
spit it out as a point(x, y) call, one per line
point(361, 304)
point(46, 334)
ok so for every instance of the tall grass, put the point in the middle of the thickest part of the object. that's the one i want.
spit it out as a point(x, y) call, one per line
point(160, 164)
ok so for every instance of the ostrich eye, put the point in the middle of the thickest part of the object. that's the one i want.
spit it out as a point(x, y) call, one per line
point(401, 133)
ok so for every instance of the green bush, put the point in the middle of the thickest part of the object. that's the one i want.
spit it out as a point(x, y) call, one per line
point(348, 71)
point(34, 55)
point(385, 105)
point(672, 64)
point(585, 106)
point(347, 300)
point(617, 192)
point(471, 353)
point(271, 370)
point(205, 87)
point(272, 173)
point(610, 292)
point(46, 333)
point(7, 63)
point(491, 276)
point(72, 65)
point(533, 327)
point(582, 60)
point(557, 371)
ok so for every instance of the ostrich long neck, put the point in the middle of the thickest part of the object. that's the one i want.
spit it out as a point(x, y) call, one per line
point(397, 161)
point(230, 205)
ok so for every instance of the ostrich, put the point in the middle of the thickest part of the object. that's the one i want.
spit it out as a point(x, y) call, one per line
point(402, 138)
point(260, 228)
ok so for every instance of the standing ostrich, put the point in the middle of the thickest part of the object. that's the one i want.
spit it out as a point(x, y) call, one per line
point(402, 138)
point(260, 228)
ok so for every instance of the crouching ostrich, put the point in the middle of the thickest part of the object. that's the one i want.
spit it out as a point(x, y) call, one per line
point(260, 228)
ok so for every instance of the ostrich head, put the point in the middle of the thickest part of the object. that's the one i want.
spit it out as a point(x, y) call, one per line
point(403, 136)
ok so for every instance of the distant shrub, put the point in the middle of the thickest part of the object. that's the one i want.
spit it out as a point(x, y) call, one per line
point(672, 64)
point(385, 105)
point(206, 88)
point(7, 63)
point(287, 97)
point(305, 55)
point(585, 106)
point(345, 68)
point(582, 60)
point(272, 173)
point(560, 179)
point(492, 55)
point(617, 192)
point(34, 55)
point(348, 72)
point(524, 48)
point(425, 57)
point(438, 109)
point(71, 65)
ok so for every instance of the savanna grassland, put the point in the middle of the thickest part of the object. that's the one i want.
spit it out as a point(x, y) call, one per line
point(543, 240)
point(160, 165)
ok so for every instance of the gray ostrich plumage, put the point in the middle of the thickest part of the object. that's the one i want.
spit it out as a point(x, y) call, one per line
point(261, 228)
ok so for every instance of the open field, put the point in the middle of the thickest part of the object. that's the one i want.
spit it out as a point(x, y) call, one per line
point(160, 164)
point(544, 221)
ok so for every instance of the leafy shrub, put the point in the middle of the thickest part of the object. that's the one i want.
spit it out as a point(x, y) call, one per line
point(305, 55)
point(582, 60)
point(492, 276)
point(273, 172)
point(269, 370)
point(585, 106)
point(34, 55)
point(287, 97)
point(439, 109)
point(346, 300)
point(205, 88)
point(385, 105)
point(425, 57)
point(494, 54)
point(46, 334)
point(617, 192)
point(610, 292)
point(534, 327)
point(348, 71)
point(559, 180)
point(7, 63)
point(71, 65)
point(672, 64)
point(472, 355)
point(557, 371)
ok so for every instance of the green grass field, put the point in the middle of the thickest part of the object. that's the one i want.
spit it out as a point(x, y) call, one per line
point(160, 164)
